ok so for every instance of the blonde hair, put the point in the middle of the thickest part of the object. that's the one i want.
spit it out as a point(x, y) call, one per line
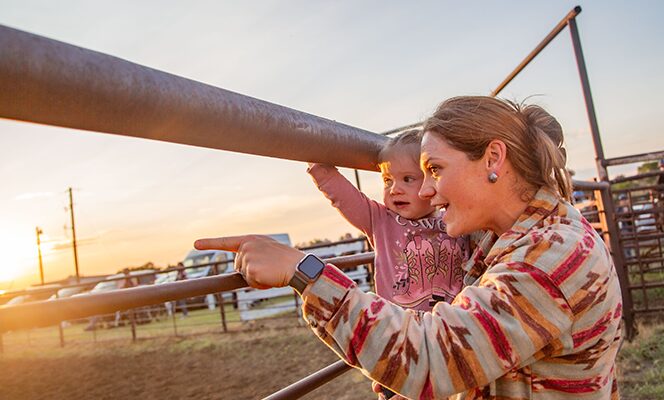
point(407, 141)
point(534, 139)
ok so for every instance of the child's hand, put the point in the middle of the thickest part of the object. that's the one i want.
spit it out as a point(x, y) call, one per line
point(382, 390)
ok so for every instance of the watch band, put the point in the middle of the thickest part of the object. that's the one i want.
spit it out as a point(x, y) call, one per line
point(307, 270)
point(298, 283)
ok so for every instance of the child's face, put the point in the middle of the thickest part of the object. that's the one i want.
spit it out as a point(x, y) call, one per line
point(402, 179)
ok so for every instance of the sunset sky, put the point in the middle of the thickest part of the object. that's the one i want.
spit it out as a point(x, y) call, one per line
point(371, 64)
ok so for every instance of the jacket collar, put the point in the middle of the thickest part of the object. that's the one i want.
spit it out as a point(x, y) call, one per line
point(491, 246)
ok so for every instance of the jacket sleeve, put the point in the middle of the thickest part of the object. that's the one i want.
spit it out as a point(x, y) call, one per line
point(503, 322)
point(353, 205)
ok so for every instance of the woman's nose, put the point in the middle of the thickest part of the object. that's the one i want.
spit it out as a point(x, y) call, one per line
point(426, 191)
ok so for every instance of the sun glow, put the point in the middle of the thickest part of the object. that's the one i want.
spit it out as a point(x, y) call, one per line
point(19, 254)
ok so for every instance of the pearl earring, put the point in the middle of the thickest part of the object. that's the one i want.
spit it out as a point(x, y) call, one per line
point(493, 177)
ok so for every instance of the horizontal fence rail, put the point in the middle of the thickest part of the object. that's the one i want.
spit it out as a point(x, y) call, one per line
point(55, 83)
point(46, 313)
point(652, 156)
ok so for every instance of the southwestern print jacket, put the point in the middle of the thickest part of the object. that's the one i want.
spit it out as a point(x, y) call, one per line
point(539, 318)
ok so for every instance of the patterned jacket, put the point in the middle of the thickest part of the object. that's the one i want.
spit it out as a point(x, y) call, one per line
point(539, 318)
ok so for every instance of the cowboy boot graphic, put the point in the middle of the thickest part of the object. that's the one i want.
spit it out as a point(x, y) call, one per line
point(419, 255)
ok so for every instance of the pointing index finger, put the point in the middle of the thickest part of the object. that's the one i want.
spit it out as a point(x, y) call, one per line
point(229, 243)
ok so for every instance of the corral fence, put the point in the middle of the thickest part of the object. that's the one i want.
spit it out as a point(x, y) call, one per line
point(216, 312)
point(49, 82)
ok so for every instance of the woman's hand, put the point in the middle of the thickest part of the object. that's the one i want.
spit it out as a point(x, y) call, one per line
point(263, 261)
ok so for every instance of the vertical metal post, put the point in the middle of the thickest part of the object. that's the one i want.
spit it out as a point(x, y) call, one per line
point(618, 254)
point(175, 324)
point(590, 106)
point(132, 320)
point(73, 233)
point(297, 306)
point(220, 300)
point(606, 196)
point(41, 266)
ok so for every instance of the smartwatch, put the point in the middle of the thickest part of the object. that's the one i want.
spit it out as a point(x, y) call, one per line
point(306, 271)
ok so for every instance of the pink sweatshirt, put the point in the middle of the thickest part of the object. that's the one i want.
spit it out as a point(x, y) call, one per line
point(417, 264)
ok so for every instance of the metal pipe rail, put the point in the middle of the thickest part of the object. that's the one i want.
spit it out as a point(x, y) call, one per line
point(311, 382)
point(46, 313)
point(552, 35)
point(51, 82)
point(652, 156)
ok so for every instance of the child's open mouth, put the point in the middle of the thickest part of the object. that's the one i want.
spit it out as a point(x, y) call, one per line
point(401, 203)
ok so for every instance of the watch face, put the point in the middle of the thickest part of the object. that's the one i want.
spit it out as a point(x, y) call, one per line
point(311, 266)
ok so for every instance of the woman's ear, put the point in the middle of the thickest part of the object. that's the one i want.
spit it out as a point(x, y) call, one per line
point(495, 155)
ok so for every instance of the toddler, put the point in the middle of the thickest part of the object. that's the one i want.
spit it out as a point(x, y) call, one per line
point(417, 264)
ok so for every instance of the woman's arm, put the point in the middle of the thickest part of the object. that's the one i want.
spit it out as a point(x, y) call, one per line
point(489, 330)
point(514, 312)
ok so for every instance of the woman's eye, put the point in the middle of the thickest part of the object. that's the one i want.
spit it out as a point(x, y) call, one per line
point(387, 182)
point(433, 170)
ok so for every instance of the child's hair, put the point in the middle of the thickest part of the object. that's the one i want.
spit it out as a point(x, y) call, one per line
point(408, 141)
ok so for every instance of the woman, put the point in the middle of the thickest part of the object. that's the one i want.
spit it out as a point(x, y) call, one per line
point(539, 316)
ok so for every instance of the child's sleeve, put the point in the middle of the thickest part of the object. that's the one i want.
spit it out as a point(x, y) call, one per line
point(354, 205)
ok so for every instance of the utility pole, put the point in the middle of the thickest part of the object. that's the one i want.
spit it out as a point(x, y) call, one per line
point(41, 266)
point(73, 235)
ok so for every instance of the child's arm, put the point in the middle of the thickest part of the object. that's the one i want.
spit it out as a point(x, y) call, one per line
point(357, 208)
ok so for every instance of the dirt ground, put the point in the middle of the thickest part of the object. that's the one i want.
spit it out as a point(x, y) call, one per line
point(241, 365)
point(238, 365)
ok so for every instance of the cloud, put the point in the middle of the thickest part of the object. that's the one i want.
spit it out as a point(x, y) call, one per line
point(34, 195)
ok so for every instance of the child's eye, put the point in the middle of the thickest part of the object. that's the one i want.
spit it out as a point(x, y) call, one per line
point(409, 179)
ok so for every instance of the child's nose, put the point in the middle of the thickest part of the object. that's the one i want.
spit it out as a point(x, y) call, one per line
point(396, 188)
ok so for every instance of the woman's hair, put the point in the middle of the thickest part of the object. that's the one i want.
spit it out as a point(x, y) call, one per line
point(534, 139)
point(407, 141)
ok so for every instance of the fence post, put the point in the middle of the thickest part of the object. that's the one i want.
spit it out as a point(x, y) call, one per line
point(220, 300)
point(60, 330)
point(606, 204)
point(298, 311)
point(174, 306)
point(132, 319)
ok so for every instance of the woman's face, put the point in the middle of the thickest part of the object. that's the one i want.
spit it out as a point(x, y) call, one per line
point(455, 184)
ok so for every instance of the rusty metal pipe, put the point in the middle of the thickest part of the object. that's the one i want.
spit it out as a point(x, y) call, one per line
point(311, 382)
point(552, 35)
point(46, 313)
point(55, 83)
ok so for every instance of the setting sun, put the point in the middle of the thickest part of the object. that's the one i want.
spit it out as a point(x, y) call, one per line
point(19, 254)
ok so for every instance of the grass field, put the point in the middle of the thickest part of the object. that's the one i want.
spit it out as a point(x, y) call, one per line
point(641, 364)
